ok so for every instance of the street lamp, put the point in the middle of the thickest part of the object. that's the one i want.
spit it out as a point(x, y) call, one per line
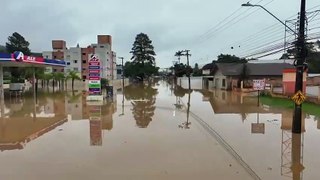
point(257, 5)
point(299, 63)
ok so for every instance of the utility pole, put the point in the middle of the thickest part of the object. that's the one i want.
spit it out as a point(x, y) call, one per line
point(122, 72)
point(188, 70)
point(300, 68)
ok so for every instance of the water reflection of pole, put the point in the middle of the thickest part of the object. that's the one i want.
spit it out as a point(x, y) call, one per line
point(34, 93)
point(3, 120)
point(297, 156)
point(188, 109)
point(186, 125)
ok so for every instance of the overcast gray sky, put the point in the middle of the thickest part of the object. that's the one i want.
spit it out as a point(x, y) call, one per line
point(172, 25)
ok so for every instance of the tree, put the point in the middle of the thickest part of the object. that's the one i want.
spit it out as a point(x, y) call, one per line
point(60, 78)
point(143, 53)
point(196, 70)
point(73, 75)
point(16, 42)
point(3, 49)
point(181, 69)
point(143, 50)
point(227, 58)
point(179, 54)
point(313, 56)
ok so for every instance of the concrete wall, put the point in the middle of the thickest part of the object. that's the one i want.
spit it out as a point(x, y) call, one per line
point(196, 82)
point(313, 91)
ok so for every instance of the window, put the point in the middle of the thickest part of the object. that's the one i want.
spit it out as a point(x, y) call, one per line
point(101, 46)
point(83, 69)
point(223, 83)
point(54, 57)
point(68, 63)
point(84, 61)
point(75, 69)
point(84, 54)
point(84, 77)
point(75, 61)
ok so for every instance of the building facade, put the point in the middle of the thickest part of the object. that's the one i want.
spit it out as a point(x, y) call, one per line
point(77, 57)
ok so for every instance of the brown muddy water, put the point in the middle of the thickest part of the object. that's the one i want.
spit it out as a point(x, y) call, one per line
point(154, 132)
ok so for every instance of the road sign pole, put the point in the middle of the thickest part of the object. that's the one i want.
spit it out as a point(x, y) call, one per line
point(258, 98)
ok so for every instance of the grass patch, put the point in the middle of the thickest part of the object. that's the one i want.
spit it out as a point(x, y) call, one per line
point(309, 108)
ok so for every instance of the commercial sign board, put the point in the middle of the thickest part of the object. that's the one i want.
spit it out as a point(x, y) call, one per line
point(94, 64)
point(258, 84)
point(94, 67)
point(94, 81)
point(96, 71)
point(94, 76)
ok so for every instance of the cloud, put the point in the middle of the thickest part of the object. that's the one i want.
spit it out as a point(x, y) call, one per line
point(172, 25)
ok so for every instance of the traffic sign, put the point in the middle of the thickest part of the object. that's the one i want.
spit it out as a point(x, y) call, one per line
point(299, 98)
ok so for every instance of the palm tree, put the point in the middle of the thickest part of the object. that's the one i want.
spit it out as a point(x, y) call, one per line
point(59, 76)
point(73, 75)
point(47, 77)
point(179, 54)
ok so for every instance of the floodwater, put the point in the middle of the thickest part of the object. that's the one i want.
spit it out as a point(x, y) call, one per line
point(154, 132)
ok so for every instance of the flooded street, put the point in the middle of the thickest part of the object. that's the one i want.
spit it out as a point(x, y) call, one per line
point(154, 132)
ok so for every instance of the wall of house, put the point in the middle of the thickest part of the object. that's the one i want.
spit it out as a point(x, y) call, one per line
point(206, 72)
point(196, 82)
point(313, 91)
point(220, 81)
point(313, 81)
point(289, 81)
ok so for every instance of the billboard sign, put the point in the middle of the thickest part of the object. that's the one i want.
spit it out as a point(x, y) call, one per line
point(259, 84)
point(94, 76)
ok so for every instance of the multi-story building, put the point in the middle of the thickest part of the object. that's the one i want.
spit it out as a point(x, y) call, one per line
point(77, 57)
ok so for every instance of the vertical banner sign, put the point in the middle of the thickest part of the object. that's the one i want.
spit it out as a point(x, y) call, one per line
point(259, 85)
point(94, 76)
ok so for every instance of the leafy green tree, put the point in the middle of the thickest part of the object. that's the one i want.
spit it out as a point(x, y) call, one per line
point(313, 56)
point(73, 75)
point(60, 78)
point(181, 69)
point(17, 42)
point(142, 54)
point(3, 49)
point(196, 70)
point(179, 54)
point(39, 73)
point(227, 58)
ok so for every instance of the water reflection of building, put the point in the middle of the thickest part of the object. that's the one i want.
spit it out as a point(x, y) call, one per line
point(100, 115)
point(29, 121)
point(225, 102)
point(74, 105)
